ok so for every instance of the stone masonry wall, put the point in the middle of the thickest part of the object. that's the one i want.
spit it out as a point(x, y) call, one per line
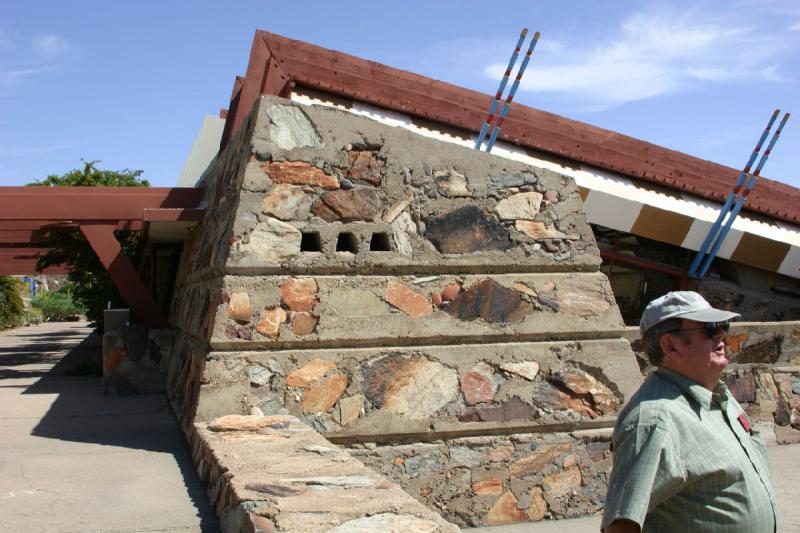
point(398, 293)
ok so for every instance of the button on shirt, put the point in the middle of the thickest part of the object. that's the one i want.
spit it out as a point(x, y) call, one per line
point(686, 459)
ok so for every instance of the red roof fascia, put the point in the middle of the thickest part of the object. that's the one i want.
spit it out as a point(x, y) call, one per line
point(277, 63)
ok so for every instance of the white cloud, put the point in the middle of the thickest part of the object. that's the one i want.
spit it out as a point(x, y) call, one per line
point(795, 26)
point(10, 77)
point(654, 53)
point(50, 45)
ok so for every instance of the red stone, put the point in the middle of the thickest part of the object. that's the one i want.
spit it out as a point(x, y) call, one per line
point(348, 206)
point(450, 292)
point(309, 373)
point(735, 342)
point(365, 166)
point(505, 511)
point(490, 301)
point(299, 294)
point(512, 409)
point(299, 173)
point(742, 386)
point(303, 324)
point(492, 486)
point(476, 385)
point(544, 455)
point(239, 307)
point(436, 299)
point(407, 300)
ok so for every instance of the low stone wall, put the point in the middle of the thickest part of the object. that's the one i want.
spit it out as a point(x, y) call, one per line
point(764, 374)
point(494, 480)
point(276, 474)
point(136, 360)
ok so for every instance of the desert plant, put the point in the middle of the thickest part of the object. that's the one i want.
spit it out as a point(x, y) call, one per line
point(11, 306)
point(58, 306)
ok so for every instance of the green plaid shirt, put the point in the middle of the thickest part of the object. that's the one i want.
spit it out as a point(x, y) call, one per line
point(684, 461)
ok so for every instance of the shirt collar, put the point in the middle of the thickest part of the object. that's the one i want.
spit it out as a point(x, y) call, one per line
point(694, 390)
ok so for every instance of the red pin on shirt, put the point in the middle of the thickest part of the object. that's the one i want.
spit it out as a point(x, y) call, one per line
point(745, 423)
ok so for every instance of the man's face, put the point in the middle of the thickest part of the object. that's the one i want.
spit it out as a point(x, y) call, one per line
point(696, 356)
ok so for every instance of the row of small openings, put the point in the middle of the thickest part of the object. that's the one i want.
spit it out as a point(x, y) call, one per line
point(345, 242)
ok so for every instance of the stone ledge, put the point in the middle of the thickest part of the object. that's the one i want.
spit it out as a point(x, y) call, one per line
point(274, 473)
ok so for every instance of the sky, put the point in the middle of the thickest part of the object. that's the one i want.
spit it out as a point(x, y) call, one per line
point(128, 83)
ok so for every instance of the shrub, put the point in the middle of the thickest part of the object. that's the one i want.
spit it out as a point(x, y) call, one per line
point(58, 306)
point(11, 306)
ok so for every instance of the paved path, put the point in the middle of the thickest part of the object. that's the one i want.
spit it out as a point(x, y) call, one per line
point(72, 459)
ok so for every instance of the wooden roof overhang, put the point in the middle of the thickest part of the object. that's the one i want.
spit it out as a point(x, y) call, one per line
point(278, 64)
point(97, 212)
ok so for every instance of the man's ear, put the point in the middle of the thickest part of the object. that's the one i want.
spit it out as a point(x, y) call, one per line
point(667, 343)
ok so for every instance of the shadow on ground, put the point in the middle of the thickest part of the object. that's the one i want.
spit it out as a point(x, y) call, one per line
point(82, 413)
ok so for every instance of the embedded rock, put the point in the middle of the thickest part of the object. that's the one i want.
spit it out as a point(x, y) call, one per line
point(299, 173)
point(526, 369)
point(465, 230)
point(452, 184)
point(515, 179)
point(348, 409)
point(538, 506)
point(538, 459)
point(407, 300)
point(290, 128)
point(299, 294)
point(505, 511)
point(271, 241)
point(521, 206)
point(309, 373)
point(492, 486)
point(410, 386)
point(582, 297)
point(270, 323)
point(239, 307)
point(477, 384)
point(325, 395)
point(388, 523)
point(540, 230)
point(490, 301)
point(348, 206)
point(512, 409)
point(562, 483)
point(365, 166)
point(303, 324)
point(286, 202)
point(742, 386)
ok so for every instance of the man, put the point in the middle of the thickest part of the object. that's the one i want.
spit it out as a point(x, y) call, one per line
point(686, 458)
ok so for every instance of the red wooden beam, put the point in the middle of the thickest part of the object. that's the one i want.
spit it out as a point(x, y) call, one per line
point(27, 267)
point(144, 308)
point(394, 89)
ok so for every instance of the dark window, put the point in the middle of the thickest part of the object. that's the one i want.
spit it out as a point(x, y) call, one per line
point(347, 243)
point(310, 242)
point(380, 243)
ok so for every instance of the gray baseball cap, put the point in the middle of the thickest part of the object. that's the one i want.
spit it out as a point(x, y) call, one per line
point(682, 304)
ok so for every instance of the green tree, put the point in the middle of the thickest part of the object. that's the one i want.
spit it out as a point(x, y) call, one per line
point(92, 286)
point(11, 306)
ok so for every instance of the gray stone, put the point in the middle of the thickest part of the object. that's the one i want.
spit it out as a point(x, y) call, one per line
point(402, 227)
point(354, 303)
point(273, 407)
point(271, 241)
point(387, 523)
point(424, 462)
point(452, 183)
point(330, 482)
point(345, 184)
point(796, 387)
point(464, 456)
point(526, 369)
point(348, 409)
point(522, 206)
point(290, 128)
point(259, 375)
point(515, 179)
point(275, 367)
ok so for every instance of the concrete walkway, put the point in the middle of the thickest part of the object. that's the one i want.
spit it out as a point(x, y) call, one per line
point(72, 459)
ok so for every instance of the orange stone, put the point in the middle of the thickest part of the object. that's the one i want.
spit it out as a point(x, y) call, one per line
point(407, 300)
point(112, 360)
point(239, 307)
point(270, 323)
point(492, 486)
point(309, 373)
point(299, 294)
point(450, 292)
point(436, 299)
point(322, 397)
point(735, 342)
point(562, 483)
point(538, 504)
point(505, 511)
point(501, 453)
point(543, 456)
point(303, 324)
point(299, 173)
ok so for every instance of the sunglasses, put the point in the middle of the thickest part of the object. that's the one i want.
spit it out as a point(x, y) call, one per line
point(712, 329)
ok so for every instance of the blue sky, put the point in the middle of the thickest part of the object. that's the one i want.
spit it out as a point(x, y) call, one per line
point(128, 83)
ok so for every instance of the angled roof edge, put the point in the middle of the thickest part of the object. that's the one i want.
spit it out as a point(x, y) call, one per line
point(277, 64)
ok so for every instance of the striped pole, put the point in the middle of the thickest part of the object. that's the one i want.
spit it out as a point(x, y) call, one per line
point(500, 90)
point(712, 233)
point(511, 93)
point(740, 202)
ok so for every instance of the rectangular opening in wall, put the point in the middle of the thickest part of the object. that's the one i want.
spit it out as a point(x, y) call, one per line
point(346, 242)
point(380, 243)
point(310, 242)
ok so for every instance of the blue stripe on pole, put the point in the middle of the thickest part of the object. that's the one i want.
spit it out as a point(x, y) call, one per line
point(503, 82)
point(740, 202)
point(712, 233)
point(512, 92)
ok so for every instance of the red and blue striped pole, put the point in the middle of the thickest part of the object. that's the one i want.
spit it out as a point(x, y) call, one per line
point(500, 90)
point(740, 202)
point(712, 233)
point(511, 93)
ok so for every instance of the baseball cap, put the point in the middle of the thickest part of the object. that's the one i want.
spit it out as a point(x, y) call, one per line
point(682, 304)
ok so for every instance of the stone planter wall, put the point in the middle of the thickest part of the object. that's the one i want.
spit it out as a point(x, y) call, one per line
point(391, 291)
